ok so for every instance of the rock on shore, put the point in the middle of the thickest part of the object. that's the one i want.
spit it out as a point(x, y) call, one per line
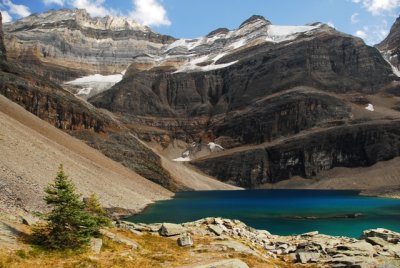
point(376, 247)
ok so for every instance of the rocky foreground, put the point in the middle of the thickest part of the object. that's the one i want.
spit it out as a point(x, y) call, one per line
point(205, 243)
point(376, 247)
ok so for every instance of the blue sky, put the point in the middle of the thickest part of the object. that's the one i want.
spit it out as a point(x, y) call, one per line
point(368, 19)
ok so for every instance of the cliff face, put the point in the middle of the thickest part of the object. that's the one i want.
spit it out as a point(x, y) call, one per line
point(307, 155)
point(2, 47)
point(390, 46)
point(65, 44)
point(324, 59)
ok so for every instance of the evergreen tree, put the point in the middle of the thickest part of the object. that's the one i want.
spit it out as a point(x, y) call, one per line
point(69, 225)
point(94, 208)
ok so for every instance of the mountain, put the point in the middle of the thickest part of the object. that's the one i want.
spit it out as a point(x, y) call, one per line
point(390, 47)
point(282, 101)
point(259, 86)
point(32, 149)
point(99, 129)
point(64, 44)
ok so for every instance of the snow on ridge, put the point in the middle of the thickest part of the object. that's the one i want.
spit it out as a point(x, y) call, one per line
point(192, 65)
point(278, 33)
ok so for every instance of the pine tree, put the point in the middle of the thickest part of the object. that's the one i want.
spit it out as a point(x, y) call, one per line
point(94, 208)
point(69, 225)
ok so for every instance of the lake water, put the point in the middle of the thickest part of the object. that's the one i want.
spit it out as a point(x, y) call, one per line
point(282, 212)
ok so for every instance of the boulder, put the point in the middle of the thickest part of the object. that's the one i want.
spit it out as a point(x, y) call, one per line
point(306, 257)
point(95, 245)
point(353, 261)
point(310, 233)
point(215, 229)
point(171, 229)
point(232, 263)
point(387, 235)
point(120, 239)
point(185, 241)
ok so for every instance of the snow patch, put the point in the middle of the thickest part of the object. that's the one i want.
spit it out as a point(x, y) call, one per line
point(215, 147)
point(388, 60)
point(182, 159)
point(219, 56)
point(114, 78)
point(238, 43)
point(91, 85)
point(370, 107)
point(85, 91)
point(192, 65)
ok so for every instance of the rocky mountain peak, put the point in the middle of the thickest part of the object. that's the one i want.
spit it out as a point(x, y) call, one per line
point(82, 19)
point(253, 19)
point(218, 31)
point(2, 47)
point(393, 39)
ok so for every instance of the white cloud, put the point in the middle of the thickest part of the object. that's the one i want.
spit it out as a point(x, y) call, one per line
point(374, 34)
point(360, 33)
point(354, 18)
point(377, 7)
point(56, 2)
point(6, 16)
point(150, 12)
point(94, 7)
point(20, 10)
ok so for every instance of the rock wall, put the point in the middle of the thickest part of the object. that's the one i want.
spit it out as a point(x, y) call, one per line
point(306, 156)
point(69, 43)
point(49, 101)
point(60, 108)
point(327, 62)
point(2, 47)
point(283, 115)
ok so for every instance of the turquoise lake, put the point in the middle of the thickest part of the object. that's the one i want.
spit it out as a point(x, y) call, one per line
point(282, 212)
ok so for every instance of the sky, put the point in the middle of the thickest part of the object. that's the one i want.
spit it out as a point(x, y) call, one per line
point(368, 19)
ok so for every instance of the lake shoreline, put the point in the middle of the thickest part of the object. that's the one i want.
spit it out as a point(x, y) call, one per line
point(280, 211)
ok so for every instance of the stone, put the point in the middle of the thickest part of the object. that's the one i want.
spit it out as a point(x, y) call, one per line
point(231, 263)
point(306, 257)
point(290, 249)
point(95, 245)
point(185, 241)
point(313, 233)
point(29, 220)
point(356, 248)
point(120, 239)
point(171, 229)
point(269, 247)
point(215, 229)
point(387, 235)
point(353, 261)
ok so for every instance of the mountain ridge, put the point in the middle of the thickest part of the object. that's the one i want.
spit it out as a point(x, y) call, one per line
point(259, 83)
